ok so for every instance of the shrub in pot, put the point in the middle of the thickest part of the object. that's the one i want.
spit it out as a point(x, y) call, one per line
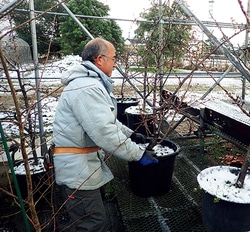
point(154, 180)
point(225, 207)
point(40, 180)
point(139, 120)
point(122, 105)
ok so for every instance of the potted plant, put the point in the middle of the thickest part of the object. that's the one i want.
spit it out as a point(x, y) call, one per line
point(122, 104)
point(140, 120)
point(154, 55)
point(25, 115)
point(154, 180)
point(226, 197)
point(40, 181)
point(29, 172)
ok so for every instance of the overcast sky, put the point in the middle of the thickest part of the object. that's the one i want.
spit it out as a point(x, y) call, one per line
point(223, 11)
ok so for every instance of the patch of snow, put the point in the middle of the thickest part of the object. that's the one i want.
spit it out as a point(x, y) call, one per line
point(138, 110)
point(48, 113)
point(219, 182)
point(34, 169)
point(159, 149)
point(229, 110)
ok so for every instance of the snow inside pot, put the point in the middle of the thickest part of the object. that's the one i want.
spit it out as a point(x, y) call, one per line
point(122, 105)
point(139, 120)
point(154, 180)
point(224, 207)
point(38, 175)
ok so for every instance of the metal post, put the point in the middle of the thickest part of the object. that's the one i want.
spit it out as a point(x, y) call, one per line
point(201, 133)
point(160, 45)
point(76, 20)
point(37, 80)
point(246, 53)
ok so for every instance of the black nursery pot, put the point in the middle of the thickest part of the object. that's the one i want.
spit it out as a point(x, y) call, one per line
point(122, 105)
point(153, 180)
point(141, 123)
point(224, 215)
point(39, 183)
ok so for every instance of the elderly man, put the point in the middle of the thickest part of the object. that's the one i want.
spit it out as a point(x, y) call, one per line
point(85, 129)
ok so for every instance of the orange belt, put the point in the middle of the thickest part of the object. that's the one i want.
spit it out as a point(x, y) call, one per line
point(75, 150)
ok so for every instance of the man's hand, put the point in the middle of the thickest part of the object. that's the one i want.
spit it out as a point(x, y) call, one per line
point(148, 157)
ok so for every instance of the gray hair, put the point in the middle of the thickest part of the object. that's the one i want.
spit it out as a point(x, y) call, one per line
point(94, 48)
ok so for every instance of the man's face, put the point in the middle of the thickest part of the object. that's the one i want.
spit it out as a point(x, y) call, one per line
point(107, 62)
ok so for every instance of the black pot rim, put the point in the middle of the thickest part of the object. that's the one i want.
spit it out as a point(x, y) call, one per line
point(133, 100)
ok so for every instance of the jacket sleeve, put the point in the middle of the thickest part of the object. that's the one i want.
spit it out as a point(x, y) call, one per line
point(125, 130)
point(93, 110)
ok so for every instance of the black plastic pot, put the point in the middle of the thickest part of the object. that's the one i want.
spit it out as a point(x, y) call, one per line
point(39, 182)
point(153, 180)
point(122, 105)
point(223, 215)
point(141, 122)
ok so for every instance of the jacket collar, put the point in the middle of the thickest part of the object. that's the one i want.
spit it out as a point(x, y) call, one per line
point(107, 82)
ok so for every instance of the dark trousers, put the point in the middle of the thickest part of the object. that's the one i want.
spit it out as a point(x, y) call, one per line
point(85, 209)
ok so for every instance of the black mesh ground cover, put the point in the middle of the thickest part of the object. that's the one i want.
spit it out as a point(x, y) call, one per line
point(179, 210)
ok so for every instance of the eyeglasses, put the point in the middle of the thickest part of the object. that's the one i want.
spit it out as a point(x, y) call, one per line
point(112, 58)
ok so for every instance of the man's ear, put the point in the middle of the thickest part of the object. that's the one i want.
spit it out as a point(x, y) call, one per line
point(98, 61)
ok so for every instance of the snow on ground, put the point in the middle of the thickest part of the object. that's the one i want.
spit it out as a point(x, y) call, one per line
point(51, 73)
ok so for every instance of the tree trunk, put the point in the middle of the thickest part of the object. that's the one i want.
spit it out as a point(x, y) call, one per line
point(240, 181)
